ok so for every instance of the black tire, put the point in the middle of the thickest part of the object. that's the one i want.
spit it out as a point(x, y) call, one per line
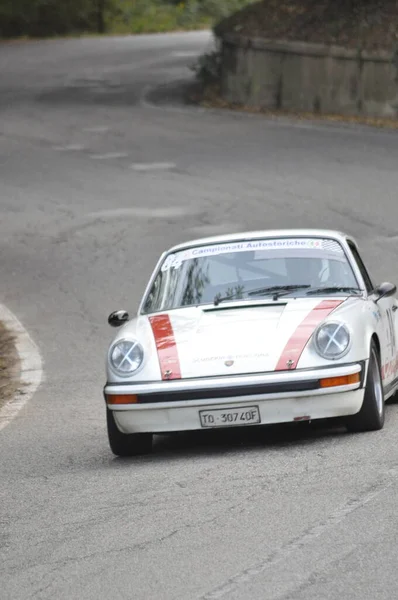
point(372, 414)
point(123, 444)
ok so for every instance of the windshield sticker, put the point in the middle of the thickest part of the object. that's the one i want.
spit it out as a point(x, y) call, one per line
point(174, 261)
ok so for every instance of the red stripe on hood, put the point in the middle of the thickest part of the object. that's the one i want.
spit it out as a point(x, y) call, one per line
point(298, 341)
point(166, 346)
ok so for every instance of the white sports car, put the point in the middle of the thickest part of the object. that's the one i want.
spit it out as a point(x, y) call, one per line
point(250, 329)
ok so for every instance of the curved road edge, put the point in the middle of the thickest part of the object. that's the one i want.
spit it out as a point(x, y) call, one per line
point(172, 95)
point(31, 367)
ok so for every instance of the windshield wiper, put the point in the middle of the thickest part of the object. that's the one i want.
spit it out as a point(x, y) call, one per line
point(276, 290)
point(331, 290)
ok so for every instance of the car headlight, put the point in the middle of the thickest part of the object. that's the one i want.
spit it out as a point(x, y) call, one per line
point(332, 340)
point(126, 357)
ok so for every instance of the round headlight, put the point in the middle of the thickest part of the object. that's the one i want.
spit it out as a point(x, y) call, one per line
point(126, 357)
point(332, 340)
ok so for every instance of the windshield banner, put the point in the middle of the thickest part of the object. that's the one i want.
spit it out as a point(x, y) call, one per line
point(262, 248)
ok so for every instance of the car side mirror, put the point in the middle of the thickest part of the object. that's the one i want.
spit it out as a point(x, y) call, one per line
point(384, 290)
point(118, 318)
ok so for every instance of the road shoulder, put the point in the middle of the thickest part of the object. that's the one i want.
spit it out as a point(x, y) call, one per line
point(9, 365)
point(20, 366)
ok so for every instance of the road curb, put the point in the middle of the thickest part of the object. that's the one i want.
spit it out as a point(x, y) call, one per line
point(331, 123)
point(31, 367)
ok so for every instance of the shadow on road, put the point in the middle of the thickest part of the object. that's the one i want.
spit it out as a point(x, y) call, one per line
point(197, 444)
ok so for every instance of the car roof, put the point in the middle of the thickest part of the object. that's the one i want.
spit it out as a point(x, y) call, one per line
point(263, 234)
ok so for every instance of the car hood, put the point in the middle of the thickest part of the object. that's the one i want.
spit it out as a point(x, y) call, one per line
point(235, 338)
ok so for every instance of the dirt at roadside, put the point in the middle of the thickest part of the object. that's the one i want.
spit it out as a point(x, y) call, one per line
point(210, 97)
point(366, 24)
point(9, 365)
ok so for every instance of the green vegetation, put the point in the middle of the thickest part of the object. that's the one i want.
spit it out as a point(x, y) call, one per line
point(362, 24)
point(47, 18)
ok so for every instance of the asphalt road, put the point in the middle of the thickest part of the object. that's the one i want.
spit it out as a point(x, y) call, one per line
point(95, 181)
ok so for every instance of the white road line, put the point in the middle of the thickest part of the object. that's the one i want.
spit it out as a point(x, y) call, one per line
point(187, 54)
point(109, 155)
point(69, 148)
point(155, 166)
point(31, 367)
point(137, 211)
point(97, 129)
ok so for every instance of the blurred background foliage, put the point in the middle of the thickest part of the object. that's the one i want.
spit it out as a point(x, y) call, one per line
point(48, 18)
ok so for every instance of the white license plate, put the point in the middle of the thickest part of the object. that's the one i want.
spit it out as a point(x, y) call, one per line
point(224, 417)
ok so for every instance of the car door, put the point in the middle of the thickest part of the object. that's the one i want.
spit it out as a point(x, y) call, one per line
point(387, 328)
point(387, 308)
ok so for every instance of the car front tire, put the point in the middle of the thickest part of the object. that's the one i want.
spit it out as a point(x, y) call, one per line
point(123, 444)
point(372, 414)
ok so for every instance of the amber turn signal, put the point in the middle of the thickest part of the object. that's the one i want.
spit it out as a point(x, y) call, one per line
point(121, 399)
point(344, 380)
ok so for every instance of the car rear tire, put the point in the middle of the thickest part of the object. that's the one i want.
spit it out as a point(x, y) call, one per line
point(122, 444)
point(372, 414)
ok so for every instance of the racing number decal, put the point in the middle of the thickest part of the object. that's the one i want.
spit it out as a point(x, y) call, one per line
point(391, 328)
point(390, 367)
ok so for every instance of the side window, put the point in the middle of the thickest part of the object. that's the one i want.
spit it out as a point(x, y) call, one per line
point(365, 275)
point(153, 299)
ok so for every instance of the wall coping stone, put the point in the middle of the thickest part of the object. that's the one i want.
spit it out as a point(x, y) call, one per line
point(308, 49)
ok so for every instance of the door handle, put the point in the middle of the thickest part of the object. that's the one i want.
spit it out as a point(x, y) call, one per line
point(394, 308)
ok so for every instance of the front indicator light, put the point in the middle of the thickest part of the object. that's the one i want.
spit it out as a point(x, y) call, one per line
point(338, 381)
point(121, 399)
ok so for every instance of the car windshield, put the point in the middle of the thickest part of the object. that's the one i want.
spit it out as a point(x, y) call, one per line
point(204, 274)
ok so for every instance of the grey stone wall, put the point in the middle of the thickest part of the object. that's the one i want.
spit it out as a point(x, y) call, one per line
point(298, 76)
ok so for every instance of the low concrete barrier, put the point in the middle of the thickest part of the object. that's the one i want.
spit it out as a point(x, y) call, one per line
point(298, 76)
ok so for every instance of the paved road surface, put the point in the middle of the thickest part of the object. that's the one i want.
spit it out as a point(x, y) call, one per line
point(95, 181)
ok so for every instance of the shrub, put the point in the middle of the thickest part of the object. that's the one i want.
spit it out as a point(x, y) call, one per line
point(208, 68)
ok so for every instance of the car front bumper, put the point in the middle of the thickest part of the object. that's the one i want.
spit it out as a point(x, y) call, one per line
point(170, 406)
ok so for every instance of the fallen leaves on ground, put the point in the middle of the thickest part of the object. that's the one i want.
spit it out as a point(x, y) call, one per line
point(210, 98)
